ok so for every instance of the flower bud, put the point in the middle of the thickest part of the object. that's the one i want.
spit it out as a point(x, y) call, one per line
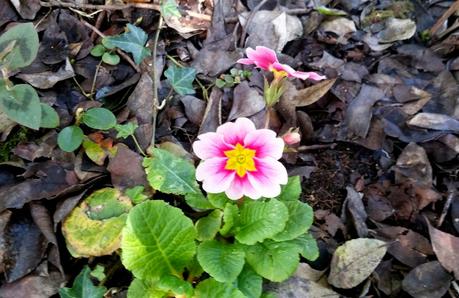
point(291, 137)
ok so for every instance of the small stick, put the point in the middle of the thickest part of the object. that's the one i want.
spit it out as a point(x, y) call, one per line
point(249, 20)
point(121, 53)
point(155, 88)
point(449, 199)
point(452, 9)
point(315, 147)
point(100, 19)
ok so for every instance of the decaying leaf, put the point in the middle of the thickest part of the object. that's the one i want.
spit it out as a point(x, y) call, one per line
point(446, 248)
point(413, 164)
point(427, 280)
point(435, 121)
point(397, 29)
point(247, 101)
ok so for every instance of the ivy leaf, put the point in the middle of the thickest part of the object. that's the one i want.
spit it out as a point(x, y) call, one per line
point(83, 287)
point(70, 138)
point(260, 220)
point(222, 261)
point(125, 130)
point(197, 201)
point(208, 226)
point(132, 41)
point(300, 217)
point(21, 104)
point(249, 282)
point(210, 288)
point(292, 190)
point(158, 239)
point(181, 79)
point(275, 261)
point(169, 9)
point(24, 41)
point(98, 272)
point(49, 117)
point(170, 174)
point(99, 118)
point(307, 246)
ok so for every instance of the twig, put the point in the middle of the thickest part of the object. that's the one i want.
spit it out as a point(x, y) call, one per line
point(99, 21)
point(155, 88)
point(452, 9)
point(315, 147)
point(249, 20)
point(121, 53)
point(138, 145)
point(449, 199)
point(93, 85)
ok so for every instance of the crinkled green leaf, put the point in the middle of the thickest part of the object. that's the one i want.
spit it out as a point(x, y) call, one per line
point(170, 174)
point(21, 104)
point(125, 130)
point(300, 217)
point(111, 58)
point(136, 194)
point(22, 41)
point(219, 200)
point(145, 289)
point(220, 260)
point(99, 118)
point(169, 9)
point(70, 138)
point(292, 190)
point(260, 220)
point(49, 117)
point(197, 201)
point(181, 79)
point(210, 288)
point(230, 218)
point(307, 246)
point(98, 50)
point(158, 239)
point(249, 282)
point(275, 261)
point(132, 41)
point(208, 226)
point(83, 287)
point(175, 286)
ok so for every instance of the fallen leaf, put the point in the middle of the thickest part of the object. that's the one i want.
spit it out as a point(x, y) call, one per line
point(140, 102)
point(247, 101)
point(427, 280)
point(194, 108)
point(35, 286)
point(413, 165)
point(435, 121)
point(27, 8)
point(446, 248)
point(354, 261)
point(47, 79)
point(397, 29)
point(213, 113)
point(388, 280)
point(340, 26)
point(355, 207)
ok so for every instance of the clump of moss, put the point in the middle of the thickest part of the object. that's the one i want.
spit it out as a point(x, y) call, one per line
point(11, 142)
point(398, 9)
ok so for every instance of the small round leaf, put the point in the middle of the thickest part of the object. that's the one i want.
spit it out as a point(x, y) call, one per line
point(49, 117)
point(99, 118)
point(70, 138)
point(98, 50)
point(111, 58)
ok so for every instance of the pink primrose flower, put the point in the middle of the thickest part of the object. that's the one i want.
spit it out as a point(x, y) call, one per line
point(240, 160)
point(265, 58)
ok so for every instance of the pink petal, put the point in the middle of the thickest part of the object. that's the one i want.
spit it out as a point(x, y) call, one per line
point(245, 61)
point(315, 76)
point(241, 187)
point(270, 173)
point(297, 74)
point(263, 57)
point(235, 132)
point(214, 177)
point(265, 143)
point(210, 145)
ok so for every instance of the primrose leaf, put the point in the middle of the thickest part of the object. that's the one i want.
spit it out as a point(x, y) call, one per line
point(19, 46)
point(292, 190)
point(175, 285)
point(132, 41)
point(169, 9)
point(197, 201)
point(307, 246)
point(98, 50)
point(181, 79)
point(111, 58)
point(83, 287)
point(275, 261)
point(260, 220)
point(49, 116)
point(218, 200)
point(210, 288)
point(136, 194)
point(70, 138)
point(145, 289)
point(249, 282)
point(99, 118)
point(21, 104)
point(158, 239)
point(300, 217)
point(222, 261)
point(170, 174)
point(125, 130)
point(104, 212)
point(208, 226)
point(230, 218)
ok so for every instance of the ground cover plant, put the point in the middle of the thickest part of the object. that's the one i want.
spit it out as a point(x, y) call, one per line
point(252, 148)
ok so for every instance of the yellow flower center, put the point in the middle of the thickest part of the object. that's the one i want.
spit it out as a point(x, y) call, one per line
point(278, 74)
point(240, 159)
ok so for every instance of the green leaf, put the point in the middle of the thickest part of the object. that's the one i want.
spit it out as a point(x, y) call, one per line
point(176, 286)
point(111, 58)
point(70, 138)
point(132, 41)
point(83, 287)
point(275, 261)
point(125, 130)
point(222, 261)
point(292, 190)
point(260, 220)
point(307, 246)
point(99, 118)
point(219, 200)
point(323, 10)
point(24, 39)
point(210, 288)
point(104, 212)
point(249, 282)
point(170, 174)
point(169, 9)
point(49, 117)
point(22, 105)
point(94, 151)
point(197, 201)
point(194, 268)
point(98, 50)
point(136, 194)
point(220, 83)
point(158, 239)
point(98, 272)
point(230, 218)
point(181, 79)
point(300, 217)
point(207, 227)
point(145, 289)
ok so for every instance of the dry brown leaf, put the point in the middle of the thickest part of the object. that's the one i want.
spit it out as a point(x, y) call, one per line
point(446, 248)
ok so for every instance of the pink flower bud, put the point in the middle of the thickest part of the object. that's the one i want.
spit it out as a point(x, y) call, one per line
point(291, 137)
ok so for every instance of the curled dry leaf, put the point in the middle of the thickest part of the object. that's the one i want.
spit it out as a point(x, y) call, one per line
point(47, 79)
point(357, 211)
point(413, 165)
point(354, 261)
point(212, 116)
point(435, 121)
point(446, 248)
point(397, 29)
point(427, 280)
